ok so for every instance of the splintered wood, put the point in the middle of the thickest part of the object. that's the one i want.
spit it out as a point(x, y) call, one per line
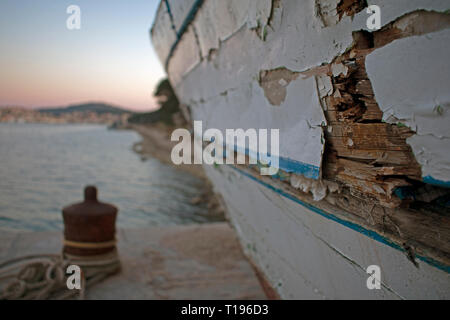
point(369, 156)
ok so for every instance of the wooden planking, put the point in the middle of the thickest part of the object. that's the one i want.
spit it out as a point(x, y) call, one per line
point(363, 153)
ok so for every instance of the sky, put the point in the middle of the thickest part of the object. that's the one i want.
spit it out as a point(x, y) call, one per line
point(109, 59)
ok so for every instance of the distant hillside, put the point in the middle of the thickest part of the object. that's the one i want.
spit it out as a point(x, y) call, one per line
point(86, 107)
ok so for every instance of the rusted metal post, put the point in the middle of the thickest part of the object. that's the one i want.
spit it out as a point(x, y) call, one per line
point(89, 226)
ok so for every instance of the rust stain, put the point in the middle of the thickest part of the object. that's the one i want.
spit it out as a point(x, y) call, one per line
point(350, 7)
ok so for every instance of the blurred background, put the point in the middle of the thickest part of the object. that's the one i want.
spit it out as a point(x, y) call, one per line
point(109, 59)
point(62, 90)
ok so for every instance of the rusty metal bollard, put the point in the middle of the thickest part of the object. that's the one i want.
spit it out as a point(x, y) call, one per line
point(89, 226)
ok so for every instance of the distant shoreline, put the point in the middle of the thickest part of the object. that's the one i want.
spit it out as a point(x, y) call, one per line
point(92, 113)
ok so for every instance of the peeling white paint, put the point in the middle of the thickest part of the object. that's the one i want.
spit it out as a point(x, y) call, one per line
point(432, 154)
point(218, 20)
point(325, 86)
point(163, 36)
point(180, 10)
point(327, 11)
point(299, 117)
point(338, 69)
point(317, 187)
point(412, 86)
point(296, 40)
point(185, 57)
point(299, 40)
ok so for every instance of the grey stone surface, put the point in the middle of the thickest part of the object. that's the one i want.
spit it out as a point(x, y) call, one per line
point(183, 262)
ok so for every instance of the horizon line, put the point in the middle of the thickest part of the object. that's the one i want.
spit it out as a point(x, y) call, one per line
point(77, 104)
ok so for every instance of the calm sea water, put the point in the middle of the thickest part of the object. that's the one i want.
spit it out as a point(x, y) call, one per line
point(45, 167)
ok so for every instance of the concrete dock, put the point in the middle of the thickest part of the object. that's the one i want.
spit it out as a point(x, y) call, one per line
point(182, 262)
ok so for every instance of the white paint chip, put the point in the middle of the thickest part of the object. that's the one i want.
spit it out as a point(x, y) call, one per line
point(411, 81)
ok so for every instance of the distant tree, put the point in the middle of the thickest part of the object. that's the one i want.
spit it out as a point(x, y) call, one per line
point(168, 102)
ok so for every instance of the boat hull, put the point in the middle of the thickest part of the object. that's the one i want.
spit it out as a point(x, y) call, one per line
point(363, 135)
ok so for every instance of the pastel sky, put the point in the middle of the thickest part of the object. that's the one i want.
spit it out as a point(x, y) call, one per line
point(110, 59)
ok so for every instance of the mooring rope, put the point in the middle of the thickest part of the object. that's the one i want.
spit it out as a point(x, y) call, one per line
point(44, 276)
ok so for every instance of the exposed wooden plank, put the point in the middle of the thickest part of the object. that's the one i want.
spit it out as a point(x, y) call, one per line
point(428, 234)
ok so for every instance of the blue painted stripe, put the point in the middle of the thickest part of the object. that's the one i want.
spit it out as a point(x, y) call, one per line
point(286, 164)
point(305, 169)
point(189, 18)
point(369, 233)
point(187, 21)
point(436, 182)
point(169, 11)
